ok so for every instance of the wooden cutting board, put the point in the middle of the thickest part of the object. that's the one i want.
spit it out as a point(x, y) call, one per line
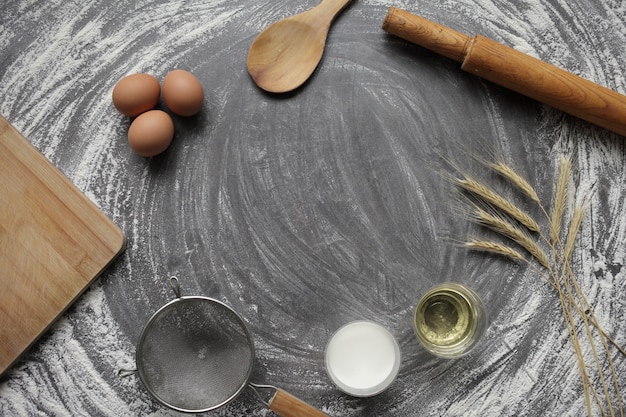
point(54, 242)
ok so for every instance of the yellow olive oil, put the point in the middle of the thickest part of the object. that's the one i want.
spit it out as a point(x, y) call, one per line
point(449, 320)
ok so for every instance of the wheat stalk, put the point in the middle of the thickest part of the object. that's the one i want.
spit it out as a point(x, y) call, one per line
point(575, 307)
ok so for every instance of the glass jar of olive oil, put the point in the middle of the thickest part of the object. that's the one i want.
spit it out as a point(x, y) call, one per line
point(449, 320)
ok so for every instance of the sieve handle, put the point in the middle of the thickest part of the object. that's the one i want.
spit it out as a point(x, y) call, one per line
point(286, 405)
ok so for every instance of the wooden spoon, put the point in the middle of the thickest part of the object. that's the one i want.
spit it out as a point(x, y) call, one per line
point(287, 52)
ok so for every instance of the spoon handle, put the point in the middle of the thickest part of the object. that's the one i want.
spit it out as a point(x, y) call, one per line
point(331, 8)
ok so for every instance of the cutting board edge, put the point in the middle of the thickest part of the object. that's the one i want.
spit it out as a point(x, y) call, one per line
point(122, 246)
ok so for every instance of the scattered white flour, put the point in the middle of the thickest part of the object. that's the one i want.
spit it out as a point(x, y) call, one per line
point(75, 57)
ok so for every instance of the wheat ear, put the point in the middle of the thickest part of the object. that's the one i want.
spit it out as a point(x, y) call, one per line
point(560, 195)
point(493, 247)
point(498, 202)
point(577, 218)
point(500, 225)
point(520, 182)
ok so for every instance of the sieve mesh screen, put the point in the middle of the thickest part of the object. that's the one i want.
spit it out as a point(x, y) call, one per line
point(195, 354)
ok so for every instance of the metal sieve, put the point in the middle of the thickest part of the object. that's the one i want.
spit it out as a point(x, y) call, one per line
point(196, 354)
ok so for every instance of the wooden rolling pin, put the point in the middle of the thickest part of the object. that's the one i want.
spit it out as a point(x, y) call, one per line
point(514, 70)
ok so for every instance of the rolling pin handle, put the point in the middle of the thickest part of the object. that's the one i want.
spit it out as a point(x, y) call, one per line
point(427, 34)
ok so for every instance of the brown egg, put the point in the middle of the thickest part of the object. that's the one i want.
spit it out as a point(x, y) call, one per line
point(182, 92)
point(151, 133)
point(136, 93)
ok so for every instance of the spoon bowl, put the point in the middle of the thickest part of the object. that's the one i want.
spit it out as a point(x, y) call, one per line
point(287, 52)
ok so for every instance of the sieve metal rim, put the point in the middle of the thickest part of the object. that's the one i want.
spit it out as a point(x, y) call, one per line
point(170, 306)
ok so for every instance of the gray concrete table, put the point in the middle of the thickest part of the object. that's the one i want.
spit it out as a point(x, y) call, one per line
point(313, 209)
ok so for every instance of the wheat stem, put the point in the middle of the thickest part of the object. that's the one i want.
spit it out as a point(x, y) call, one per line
point(588, 316)
point(586, 311)
point(571, 328)
point(568, 282)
